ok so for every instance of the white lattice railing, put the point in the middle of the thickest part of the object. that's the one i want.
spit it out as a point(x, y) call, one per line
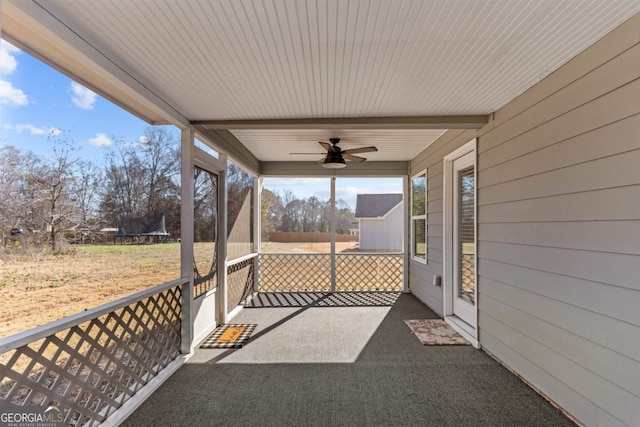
point(295, 272)
point(369, 272)
point(240, 279)
point(312, 272)
point(468, 276)
point(89, 364)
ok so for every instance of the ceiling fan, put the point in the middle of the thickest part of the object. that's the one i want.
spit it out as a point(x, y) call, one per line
point(336, 157)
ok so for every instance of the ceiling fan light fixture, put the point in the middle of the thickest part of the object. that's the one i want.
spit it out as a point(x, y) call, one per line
point(333, 162)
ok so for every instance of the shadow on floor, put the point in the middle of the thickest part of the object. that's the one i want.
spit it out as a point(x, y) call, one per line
point(390, 380)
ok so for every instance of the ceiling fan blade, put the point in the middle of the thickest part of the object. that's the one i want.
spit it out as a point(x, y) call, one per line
point(308, 154)
point(360, 150)
point(327, 146)
point(357, 159)
point(321, 160)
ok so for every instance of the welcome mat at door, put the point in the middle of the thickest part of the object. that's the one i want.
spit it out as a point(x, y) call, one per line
point(435, 332)
point(229, 336)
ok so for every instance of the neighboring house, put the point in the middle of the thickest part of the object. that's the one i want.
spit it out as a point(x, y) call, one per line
point(381, 221)
point(354, 228)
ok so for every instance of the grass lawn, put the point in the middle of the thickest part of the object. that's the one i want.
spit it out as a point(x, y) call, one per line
point(37, 291)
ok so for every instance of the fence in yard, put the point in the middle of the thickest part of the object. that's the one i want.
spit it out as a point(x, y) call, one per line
point(295, 237)
point(88, 365)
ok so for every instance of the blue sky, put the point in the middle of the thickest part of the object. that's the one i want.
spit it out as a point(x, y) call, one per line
point(37, 101)
point(347, 189)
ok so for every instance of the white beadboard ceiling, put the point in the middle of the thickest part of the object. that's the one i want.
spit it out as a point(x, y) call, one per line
point(287, 59)
point(392, 144)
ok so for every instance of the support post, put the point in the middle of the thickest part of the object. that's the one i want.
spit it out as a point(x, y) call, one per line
point(407, 233)
point(257, 229)
point(221, 293)
point(186, 236)
point(333, 230)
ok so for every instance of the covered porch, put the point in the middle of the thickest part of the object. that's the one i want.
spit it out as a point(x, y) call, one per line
point(513, 128)
point(346, 362)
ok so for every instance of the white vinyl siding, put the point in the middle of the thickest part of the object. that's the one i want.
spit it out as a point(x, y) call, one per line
point(558, 227)
point(383, 234)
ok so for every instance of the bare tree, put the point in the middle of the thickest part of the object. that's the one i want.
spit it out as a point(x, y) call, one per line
point(13, 203)
point(51, 181)
point(271, 212)
point(142, 178)
point(85, 190)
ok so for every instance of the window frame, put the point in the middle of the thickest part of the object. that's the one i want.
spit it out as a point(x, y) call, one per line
point(415, 218)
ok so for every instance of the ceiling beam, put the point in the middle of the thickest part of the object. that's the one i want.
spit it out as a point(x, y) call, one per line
point(225, 142)
point(371, 169)
point(407, 122)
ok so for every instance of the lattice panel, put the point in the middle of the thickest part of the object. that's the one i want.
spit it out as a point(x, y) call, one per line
point(203, 284)
point(91, 369)
point(466, 233)
point(295, 272)
point(239, 282)
point(356, 272)
point(468, 270)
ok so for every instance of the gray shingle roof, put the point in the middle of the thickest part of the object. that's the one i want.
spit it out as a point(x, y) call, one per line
point(376, 205)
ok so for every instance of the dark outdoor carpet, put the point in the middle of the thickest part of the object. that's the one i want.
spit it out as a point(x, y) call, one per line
point(394, 380)
point(229, 336)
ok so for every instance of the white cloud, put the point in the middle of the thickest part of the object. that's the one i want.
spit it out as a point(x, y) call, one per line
point(11, 95)
point(35, 130)
point(143, 140)
point(8, 63)
point(82, 97)
point(100, 140)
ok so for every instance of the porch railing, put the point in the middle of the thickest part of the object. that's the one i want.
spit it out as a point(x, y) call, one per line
point(281, 272)
point(295, 272)
point(369, 272)
point(240, 279)
point(89, 364)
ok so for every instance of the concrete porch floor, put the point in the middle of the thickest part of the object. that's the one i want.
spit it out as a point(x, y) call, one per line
point(348, 363)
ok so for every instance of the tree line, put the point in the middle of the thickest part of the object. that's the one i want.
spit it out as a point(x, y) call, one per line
point(57, 196)
point(287, 213)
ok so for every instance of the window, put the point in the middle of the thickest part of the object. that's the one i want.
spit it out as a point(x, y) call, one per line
point(419, 217)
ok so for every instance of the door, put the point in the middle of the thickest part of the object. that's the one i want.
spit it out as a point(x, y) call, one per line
point(464, 238)
point(205, 231)
point(207, 250)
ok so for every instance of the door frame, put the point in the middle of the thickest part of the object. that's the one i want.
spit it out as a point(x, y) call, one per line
point(471, 333)
point(218, 166)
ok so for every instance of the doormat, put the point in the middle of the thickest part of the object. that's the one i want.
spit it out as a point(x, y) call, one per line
point(229, 336)
point(435, 332)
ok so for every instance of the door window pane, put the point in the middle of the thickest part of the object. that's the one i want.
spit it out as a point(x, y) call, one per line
point(466, 234)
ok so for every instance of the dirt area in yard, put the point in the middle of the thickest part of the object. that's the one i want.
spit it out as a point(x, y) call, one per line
point(34, 292)
point(321, 247)
point(37, 291)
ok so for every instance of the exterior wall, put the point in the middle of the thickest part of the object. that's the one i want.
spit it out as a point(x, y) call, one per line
point(558, 232)
point(383, 234)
